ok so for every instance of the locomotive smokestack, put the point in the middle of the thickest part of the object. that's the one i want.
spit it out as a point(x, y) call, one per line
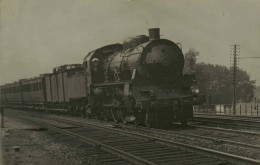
point(154, 33)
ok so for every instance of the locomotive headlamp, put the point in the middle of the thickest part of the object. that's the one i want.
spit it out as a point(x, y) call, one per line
point(95, 61)
point(194, 90)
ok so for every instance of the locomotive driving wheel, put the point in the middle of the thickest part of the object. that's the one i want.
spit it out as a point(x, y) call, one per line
point(82, 111)
point(136, 122)
point(88, 110)
point(139, 117)
point(126, 116)
point(105, 114)
point(115, 114)
point(148, 119)
point(123, 115)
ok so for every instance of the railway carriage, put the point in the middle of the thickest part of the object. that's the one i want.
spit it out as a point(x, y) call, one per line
point(11, 93)
point(4, 91)
point(58, 86)
point(3, 94)
point(33, 90)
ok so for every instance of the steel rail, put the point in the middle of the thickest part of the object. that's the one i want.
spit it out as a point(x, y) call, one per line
point(210, 120)
point(227, 130)
point(227, 116)
point(231, 118)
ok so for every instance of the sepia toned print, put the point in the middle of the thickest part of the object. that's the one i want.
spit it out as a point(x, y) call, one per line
point(129, 82)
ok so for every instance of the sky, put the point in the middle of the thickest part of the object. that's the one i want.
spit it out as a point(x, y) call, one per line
point(38, 35)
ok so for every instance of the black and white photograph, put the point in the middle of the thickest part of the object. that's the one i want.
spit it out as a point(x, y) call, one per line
point(122, 82)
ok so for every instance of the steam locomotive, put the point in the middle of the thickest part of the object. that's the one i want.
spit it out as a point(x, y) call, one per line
point(139, 81)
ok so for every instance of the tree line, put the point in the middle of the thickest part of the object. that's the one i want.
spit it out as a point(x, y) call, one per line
point(216, 81)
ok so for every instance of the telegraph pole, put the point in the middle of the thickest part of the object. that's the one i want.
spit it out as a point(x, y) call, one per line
point(235, 57)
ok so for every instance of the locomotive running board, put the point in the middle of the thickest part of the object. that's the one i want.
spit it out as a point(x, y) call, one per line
point(112, 83)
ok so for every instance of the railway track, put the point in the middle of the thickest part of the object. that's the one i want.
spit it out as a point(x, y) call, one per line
point(246, 119)
point(254, 118)
point(210, 137)
point(134, 150)
point(140, 148)
point(228, 122)
point(227, 130)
